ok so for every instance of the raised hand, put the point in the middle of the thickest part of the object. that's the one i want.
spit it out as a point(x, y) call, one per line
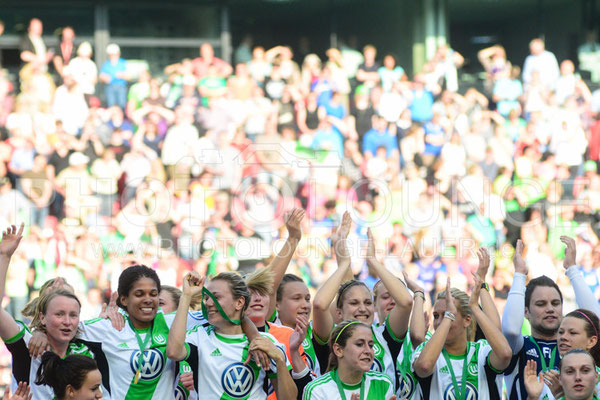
point(519, 263)
point(11, 238)
point(534, 384)
point(293, 219)
point(570, 251)
point(339, 236)
point(477, 282)
point(551, 377)
point(112, 312)
point(484, 262)
point(23, 392)
point(450, 305)
point(264, 344)
point(371, 252)
point(412, 285)
point(193, 284)
point(299, 333)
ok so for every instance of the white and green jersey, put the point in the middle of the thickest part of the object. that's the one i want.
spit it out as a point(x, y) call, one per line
point(386, 347)
point(377, 386)
point(218, 364)
point(407, 381)
point(25, 368)
point(482, 381)
point(118, 356)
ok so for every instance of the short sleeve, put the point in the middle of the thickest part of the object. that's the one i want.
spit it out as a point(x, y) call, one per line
point(94, 330)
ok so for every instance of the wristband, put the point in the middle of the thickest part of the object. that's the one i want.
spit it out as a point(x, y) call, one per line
point(449, 315)
point(419, 294)
point(485, 286)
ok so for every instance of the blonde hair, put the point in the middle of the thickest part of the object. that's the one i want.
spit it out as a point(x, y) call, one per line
point(31, 309)
point(176, 295)
point(462, 307)
point(42, 307)
point(261, 281)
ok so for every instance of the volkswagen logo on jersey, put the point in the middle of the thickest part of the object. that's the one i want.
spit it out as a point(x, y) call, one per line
point(471, 393)
point(407, 388)
point(305, 343)
point(180, 393)
point(473, 369)
point(153, 363)
point(376, 366)
point(237, 380)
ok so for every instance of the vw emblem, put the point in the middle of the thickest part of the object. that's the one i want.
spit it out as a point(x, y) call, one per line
point(180, 393)
point(237, 380)
point(376, 365)
point(152, 366)
point(407, 387)
point(471, 392)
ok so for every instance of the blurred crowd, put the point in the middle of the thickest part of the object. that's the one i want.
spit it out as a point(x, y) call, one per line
point(194, 167)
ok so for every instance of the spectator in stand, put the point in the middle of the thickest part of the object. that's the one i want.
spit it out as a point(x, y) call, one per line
point(241, 85)
point(379, 135)
point(84, 70)
point(38, 188)
point(259, 67)
point(69, 105)
point(138, 92)
point(542, 61)
point(494, 63)
point(207, 59)
point(390, 73)
point(507, 90)
point(114, 75)
point(368, 71)
point(32, 47)
point(570, 84)
point(421, 106)
point(65, 51)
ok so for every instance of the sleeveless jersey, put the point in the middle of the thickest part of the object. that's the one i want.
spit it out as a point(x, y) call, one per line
point(482, 382)
point(378, 386)
point(117, 354)
point(24, 368)
point(218, 364)
point(515, 370)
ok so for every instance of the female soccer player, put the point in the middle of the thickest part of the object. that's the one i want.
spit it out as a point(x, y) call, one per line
point(217, 353)
point(74, 378)
point(355, 301)
point(449, 361)
point(59, 315)
point(349, 375)
point(578, 377)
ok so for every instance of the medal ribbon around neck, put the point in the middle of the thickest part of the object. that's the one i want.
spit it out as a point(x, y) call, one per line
point(142, 345)
point(542, 358)
point(207, 292)
point(465, 371)
point(340, 386)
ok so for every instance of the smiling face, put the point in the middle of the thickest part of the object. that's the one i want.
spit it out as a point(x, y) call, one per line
point(90, 389)
point(61, 319)
point(258, 309)
point(357, 303)
point(578, 376)
point(572, 335)
point(358, 352)
point(142, 302)
point(544, 311)
point(232, 307)
point(295, 301)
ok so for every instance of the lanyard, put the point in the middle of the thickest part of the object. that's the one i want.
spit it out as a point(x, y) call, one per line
point(463, 389)
point(219, 308)
point(405, 366)
point(142, 345)
point(542, 359)
point(340, 387)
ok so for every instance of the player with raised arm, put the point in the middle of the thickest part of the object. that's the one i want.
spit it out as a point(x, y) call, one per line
point(349, 374)
point(449, 366)
point(218, 353)
point(355, 301)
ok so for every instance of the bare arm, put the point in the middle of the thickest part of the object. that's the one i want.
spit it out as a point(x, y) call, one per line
point(281, 261)
point(10, 241)
point(487, 303)
point(192, 285)
point(425, 365)
point(417, 319)
point(322, 320)
point(400, 314)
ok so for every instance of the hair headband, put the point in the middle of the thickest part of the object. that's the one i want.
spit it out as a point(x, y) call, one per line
point(342, 330)
point(590, 321)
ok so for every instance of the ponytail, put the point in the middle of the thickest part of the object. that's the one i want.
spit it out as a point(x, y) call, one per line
point(59, 373)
